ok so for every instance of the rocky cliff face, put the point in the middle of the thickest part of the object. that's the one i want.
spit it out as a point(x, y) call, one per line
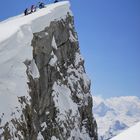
point(59, 105)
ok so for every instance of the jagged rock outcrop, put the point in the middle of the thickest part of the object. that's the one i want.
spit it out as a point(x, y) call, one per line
point(59, 105)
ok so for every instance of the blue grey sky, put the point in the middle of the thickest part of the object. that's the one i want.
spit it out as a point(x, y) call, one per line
point(109, 35)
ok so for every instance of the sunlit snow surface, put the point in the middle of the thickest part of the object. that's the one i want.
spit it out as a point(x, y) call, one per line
point(133, 133)
point(15, 47)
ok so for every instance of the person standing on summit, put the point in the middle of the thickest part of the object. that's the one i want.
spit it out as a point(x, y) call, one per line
point(33, 8)
point(26, 12)
point(41, 5)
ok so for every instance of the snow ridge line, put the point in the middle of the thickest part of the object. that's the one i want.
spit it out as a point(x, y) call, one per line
point(43, 16)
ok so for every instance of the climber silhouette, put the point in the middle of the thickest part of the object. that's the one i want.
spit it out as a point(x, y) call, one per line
point(41, 5)
point(26, 12)
point(55, 1)
point(33, 8)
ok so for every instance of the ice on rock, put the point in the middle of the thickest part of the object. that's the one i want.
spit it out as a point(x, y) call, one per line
point(33, 70)
point(53, 59)
point(40, 137)
point(54, 138)
point(54, 43)
point(70, 26)
point(44, 126)
point(78, 59)
point(72, 38)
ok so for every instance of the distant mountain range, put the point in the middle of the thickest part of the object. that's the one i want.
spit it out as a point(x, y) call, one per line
point(115, 114)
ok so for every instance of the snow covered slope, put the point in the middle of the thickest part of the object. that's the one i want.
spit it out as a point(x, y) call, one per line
point(132, 133)
point(34, 22)
point(116, 114)
point(15, 48)
point(44, 89)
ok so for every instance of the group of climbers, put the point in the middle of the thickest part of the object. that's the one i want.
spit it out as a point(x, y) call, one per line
point(33, 8)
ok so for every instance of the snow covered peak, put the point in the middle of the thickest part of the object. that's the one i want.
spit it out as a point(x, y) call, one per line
point(132, 133)
point(31, 22)
point(44, 90)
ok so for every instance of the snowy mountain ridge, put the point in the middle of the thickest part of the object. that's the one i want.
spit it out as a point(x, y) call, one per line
point(116, 114)
point(44, 89)
point(31, 23)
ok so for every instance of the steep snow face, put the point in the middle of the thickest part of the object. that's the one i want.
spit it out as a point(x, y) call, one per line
point(133, 133)
point(44, 90)
point(115, 114)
